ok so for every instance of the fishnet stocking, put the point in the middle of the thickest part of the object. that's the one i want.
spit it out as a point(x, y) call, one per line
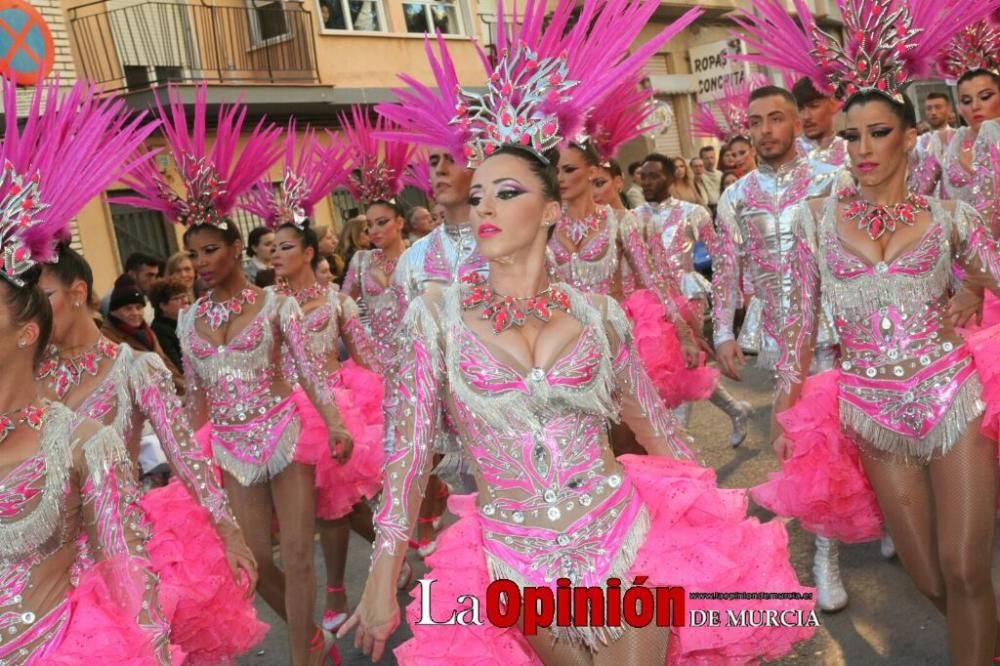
point(942, 519)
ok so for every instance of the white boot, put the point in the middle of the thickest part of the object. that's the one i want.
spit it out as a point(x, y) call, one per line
point(682, 414)
point(830, 593)
point(888, 546)
point(738, 411)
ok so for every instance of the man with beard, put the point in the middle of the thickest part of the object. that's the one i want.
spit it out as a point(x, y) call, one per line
point(927, 155)
point(755, 240)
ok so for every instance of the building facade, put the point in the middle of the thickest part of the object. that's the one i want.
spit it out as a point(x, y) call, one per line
point(310, 58)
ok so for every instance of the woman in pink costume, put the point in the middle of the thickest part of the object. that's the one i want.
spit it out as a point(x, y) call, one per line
point(381, 172)
point(881, 259)
point(382, 165)
point(530, 372)
point(64, 481)
point(234, 339)
point(207, 572)
point(328, 316)
point(970, 169)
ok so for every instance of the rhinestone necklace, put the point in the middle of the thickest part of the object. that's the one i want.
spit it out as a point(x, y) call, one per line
point(506, 311)
point(29, 415)
point(65, 373)
point(879, 220)
point(216, 314)
point(577, 230)
point(383, 263)
point(302, 296)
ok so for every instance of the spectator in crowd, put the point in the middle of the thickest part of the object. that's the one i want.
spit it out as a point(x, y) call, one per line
point(354, 238)
point(125, 324)
point(260, 248)
point(633, 195)
point(420, 222)
point(168, 297)
point(143, 270)
point(323, 274)
point(328, 244)
point(742, 156)
point(180, 266)
point(439, 214)
point(726, 160)
point(709, 160)
point(683, 186)
point(706, 187)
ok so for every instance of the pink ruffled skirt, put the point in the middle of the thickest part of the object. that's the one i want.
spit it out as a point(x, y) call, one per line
point(340, 487)
point(985, 347)
point(101, 626)
point(210, 616)
point(699, 538)
point(823, 484)
point(660, 350)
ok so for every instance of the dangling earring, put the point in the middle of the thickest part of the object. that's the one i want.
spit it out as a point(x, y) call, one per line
point(21, 344)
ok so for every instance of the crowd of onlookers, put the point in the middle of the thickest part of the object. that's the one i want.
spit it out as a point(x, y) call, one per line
point(142, 307)
point(701, 179)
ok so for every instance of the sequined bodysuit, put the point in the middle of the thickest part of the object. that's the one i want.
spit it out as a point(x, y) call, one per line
point(553, 499)
point(382, 308)
point(834, 154)
point(445, 255)
point(78, 485)
point(754, 241)
point(596, 266)
point(909, 386)
point(255, 423)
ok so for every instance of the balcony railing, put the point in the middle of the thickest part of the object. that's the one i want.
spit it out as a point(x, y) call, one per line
point(153, 43)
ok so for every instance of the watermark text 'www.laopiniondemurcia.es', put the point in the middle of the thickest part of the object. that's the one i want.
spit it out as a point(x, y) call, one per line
point(507, 604)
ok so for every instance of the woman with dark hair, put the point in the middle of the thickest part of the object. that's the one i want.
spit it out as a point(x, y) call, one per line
point(240, 344)
point(125, 324)
point(530, 371)
point(742, 157)
point(168, 297)
point(260, 248)
point(881, 258)
point(609, 186)
point(328, 318)
point(77, 582)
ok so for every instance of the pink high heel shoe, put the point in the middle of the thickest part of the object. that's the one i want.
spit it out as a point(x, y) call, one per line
point(327, 642)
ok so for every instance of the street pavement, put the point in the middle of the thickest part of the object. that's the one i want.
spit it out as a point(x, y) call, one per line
point(886, 621)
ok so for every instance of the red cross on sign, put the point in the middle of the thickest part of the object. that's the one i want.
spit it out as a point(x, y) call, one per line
point(26, 50)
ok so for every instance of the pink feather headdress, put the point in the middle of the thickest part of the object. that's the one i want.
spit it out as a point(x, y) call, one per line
point(732, 121)
point(887, 42)
point(418, 174)
point(974, 48)
point(620, 118)
point(556, 69)
point(377, 163)
point(423, 114)
point(214, 180)
point(305, 181)
point(71, 147)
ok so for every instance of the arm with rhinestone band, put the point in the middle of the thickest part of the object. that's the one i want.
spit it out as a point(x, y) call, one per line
point(799, 325)
point(313, 378)
point(635, 243)
point(412, 425)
